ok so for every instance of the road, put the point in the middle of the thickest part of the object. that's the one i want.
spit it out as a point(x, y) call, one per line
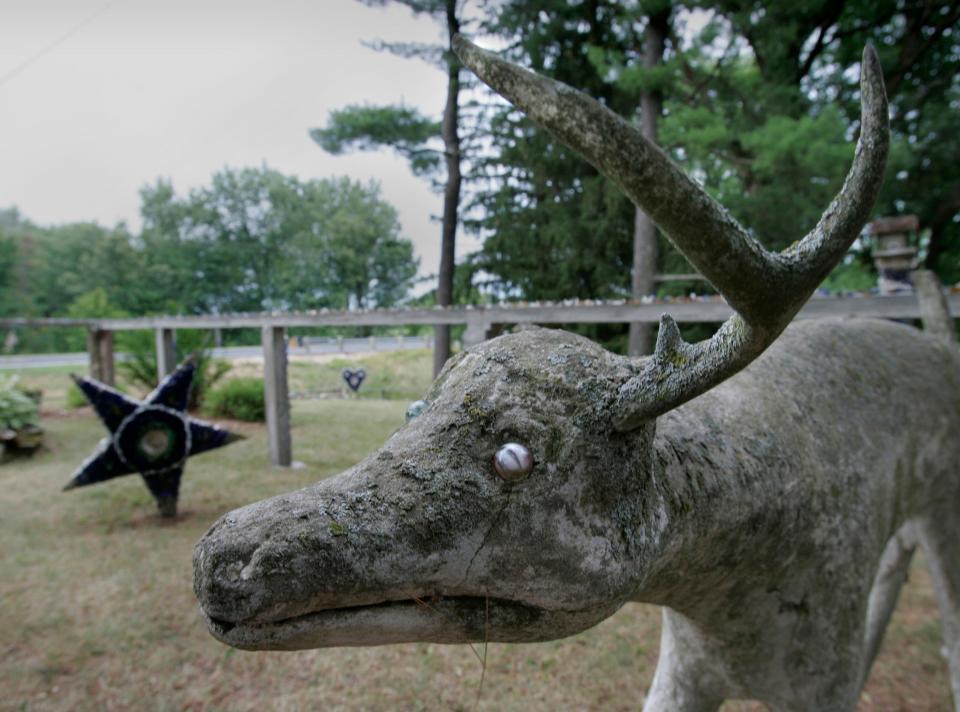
point(314, 345)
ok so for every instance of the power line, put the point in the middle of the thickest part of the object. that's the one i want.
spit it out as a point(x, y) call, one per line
point(53, 45)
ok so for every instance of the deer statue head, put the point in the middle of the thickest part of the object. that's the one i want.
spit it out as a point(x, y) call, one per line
point(506, 510)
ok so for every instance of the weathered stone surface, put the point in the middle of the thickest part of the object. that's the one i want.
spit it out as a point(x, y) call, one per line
point(758, 515)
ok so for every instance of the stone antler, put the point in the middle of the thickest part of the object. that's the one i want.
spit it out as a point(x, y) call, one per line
point(765, 288)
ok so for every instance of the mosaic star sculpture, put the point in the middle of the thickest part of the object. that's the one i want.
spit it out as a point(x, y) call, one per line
point(153, 437)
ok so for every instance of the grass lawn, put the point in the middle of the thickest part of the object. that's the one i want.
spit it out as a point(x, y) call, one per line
point(97, 610)
point(395, 375)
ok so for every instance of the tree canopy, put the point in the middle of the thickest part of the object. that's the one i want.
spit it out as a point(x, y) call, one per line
point(258, 240)
point(252, 240)
point(422, 140)
point(760, 105)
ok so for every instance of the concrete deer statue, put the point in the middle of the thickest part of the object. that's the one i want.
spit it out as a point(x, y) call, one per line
point(547, 481)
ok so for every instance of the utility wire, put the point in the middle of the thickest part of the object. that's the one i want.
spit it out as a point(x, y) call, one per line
point(53, 45)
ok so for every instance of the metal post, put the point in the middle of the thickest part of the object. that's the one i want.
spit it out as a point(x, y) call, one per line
point(100, 350)
point(166, 352)
point(276, 395)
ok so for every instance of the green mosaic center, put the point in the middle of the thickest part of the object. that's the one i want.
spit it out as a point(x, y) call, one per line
point(156, 442)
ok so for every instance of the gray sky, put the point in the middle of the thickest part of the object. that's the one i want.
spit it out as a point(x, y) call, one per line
point(97, 99)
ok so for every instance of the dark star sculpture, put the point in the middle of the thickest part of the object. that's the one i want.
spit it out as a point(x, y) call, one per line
point(153, 437)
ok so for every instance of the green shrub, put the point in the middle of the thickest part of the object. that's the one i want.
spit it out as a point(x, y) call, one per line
point(209, 371)
point(238, 398)
point(75, 398)
point(17, 409)
point(140, 366)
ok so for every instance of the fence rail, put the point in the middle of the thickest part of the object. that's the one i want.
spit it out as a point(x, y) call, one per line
point(695, 309)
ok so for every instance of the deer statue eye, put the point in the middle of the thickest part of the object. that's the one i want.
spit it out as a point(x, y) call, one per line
point(415, 409)
point(513, 462)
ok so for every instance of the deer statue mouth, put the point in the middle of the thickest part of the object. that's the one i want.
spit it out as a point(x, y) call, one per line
point(432, 618)
point(246, 599)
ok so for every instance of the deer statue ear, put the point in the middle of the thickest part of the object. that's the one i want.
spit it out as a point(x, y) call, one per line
point(765, 289)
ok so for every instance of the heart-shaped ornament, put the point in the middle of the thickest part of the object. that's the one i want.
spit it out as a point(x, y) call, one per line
point(353, 378)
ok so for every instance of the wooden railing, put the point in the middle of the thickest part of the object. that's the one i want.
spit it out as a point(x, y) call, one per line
point(481, 322)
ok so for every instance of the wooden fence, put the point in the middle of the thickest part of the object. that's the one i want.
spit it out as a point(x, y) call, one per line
point(480, 322)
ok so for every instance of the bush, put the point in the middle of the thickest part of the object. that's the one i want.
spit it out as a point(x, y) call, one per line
point(75, 398)
point(140, 366)
point(209, 371)
point(239, 398)
point(17, 409)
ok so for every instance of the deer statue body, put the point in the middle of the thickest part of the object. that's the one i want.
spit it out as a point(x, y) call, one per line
point(771, 509)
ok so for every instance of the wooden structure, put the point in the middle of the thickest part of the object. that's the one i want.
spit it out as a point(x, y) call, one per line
point(481, 323)
point(893, 254)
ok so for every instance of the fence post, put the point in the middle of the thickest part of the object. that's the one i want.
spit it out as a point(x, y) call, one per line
point(478, 329)
point(166, 352)
point(276, 395)
point(100, 350)
point(934, 310)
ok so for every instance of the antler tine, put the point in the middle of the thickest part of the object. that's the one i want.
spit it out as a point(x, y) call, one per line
point(809, 261)
point(701, 228)
point(766, 289)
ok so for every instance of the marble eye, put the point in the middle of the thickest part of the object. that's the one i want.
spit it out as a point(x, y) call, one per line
point(513, 462)
point(415, 409)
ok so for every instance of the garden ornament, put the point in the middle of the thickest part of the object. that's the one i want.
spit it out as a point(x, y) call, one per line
point(153, 437)
point(765, 486)
point(354, 379)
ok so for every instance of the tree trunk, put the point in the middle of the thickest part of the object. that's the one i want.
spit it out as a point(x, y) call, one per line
point(640, 340)
point(451, 195)
point(938, 223)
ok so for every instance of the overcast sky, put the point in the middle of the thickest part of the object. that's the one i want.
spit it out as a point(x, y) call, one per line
point(99, 98)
